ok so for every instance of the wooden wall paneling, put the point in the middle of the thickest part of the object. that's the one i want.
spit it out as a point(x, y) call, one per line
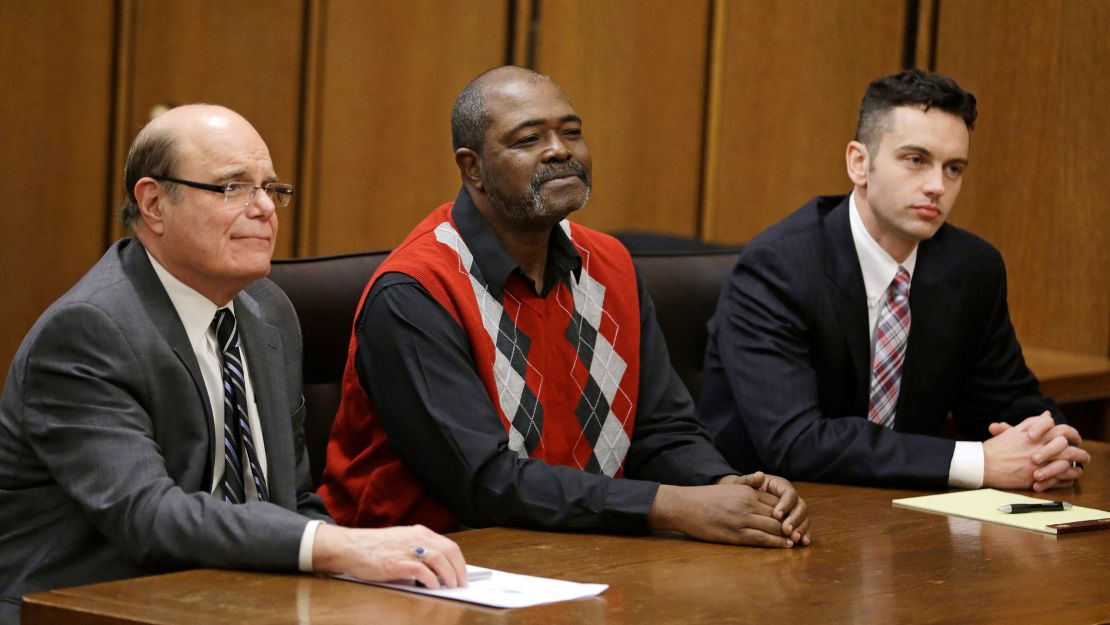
point(714, 110)
point(1037, 187)
point(55, 133)
point(309, 141)
point(635, 71)
point(928, 11)
point(388, 75)
point(792, 77)
point(122, 133)
point(245, 55)
point(525, 29)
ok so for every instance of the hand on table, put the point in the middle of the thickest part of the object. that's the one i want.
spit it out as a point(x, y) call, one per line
point(389, 554)
point(1035, 454)
point(739, 510)
point(790, 510)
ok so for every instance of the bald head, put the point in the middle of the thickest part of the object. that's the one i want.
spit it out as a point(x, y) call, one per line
point(470, 115)
point(157, 148)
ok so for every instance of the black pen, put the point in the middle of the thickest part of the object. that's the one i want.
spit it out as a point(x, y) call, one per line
point(1048, 506)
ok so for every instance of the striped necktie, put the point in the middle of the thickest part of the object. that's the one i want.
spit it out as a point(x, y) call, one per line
point(238, 443)
point(891, 335)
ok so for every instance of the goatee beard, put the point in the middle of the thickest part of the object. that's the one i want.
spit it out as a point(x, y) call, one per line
point(531, 208)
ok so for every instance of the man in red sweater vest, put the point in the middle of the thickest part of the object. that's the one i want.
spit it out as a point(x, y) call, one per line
point(506, 366)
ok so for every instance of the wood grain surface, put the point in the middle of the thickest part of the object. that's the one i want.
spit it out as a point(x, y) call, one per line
point(869, 563)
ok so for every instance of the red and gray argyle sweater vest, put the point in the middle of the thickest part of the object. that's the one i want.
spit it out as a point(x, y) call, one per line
point(561, 371)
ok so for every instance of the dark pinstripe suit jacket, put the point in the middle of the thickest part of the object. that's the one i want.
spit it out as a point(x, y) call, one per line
point(106, 439)
point(787, 365)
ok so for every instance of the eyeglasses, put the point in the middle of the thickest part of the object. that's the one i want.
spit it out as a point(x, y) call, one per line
point(240, 193)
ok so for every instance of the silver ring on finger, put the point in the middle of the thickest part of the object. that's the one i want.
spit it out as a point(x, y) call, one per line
point(420, 552)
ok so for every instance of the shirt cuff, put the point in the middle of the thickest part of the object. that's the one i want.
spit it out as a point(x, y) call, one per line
point(308, 539)
point(967, 465)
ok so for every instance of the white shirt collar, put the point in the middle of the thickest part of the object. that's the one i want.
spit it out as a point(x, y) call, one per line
point(878, 267)
point(195, 310)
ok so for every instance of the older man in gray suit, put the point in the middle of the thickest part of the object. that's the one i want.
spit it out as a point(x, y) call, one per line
point(152, 418)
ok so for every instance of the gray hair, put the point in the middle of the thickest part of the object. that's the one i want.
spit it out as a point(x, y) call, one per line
point(153, 153)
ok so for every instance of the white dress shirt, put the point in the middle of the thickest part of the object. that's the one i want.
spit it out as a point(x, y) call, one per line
point(196, 313)
point(879, 269)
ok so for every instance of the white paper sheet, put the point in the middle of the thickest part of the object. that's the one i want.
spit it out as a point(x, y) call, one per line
point(502, 590)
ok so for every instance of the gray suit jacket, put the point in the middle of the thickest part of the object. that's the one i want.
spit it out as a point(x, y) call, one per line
point(106, 439)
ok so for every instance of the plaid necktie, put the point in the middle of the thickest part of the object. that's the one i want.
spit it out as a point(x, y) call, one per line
point(237, 429)
point(890, 350)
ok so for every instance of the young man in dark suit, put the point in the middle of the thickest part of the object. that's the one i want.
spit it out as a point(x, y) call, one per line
point(850, 330)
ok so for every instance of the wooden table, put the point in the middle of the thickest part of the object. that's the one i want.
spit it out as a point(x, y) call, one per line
point(870, 563)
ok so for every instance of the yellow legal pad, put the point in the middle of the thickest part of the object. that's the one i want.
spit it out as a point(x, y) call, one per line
point(982, 505)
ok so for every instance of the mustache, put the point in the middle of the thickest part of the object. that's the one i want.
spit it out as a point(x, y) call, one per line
point(559, 170)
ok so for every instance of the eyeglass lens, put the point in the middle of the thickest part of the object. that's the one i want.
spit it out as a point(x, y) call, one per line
point(243, 193)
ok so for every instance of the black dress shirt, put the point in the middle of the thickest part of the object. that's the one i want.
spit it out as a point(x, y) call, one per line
point(416, 363)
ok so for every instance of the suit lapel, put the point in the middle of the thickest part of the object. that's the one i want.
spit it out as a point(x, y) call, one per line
point(263, 347)
point(932, 302)
point(845, 280)
point(162, 314)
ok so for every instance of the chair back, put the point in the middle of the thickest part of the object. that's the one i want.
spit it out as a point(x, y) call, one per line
point(325, 292)
point(684, 287)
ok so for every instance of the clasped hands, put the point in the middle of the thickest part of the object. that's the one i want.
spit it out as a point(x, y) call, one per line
point(1036, 454)
point(757, 510)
